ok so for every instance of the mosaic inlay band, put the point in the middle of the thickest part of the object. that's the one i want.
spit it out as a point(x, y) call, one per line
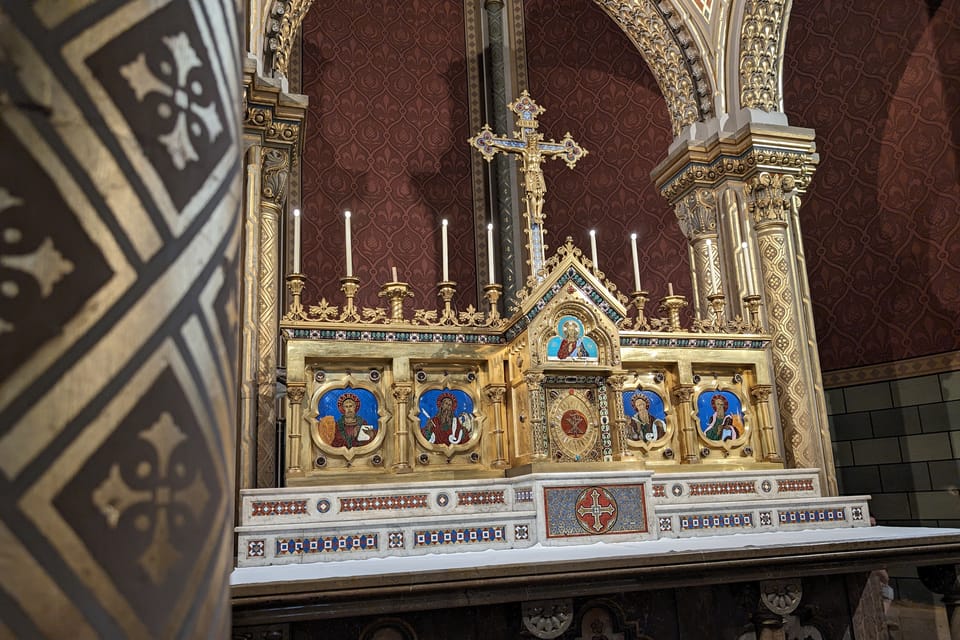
point(381, 503)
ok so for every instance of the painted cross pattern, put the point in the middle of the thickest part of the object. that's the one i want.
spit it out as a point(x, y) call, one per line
point(596, 510)
point(721, 488)
point(380, 503)
point(278, 508)
point(521, 532)
point(460, 536)
point(323, 544)
point(255, 548)
point(479, 497)
point(666, 524)
point(811, 515)
point(659, 491)
point(395, 540)
point(805, 484)
point(716, 521)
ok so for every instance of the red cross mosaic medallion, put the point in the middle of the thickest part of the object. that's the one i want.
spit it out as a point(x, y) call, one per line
point(596, 510)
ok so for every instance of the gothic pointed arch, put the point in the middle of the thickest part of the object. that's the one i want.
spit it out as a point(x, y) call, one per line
point(282, 23)
point(672, 55)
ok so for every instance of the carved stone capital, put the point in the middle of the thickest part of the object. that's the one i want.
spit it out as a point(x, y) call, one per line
point(683, 394)
point(781, 597)
point(275, 172)
point(761, 392)
point(295, 392)
point(547, 618)
point(534, 379)
point(697, 213)
point(402, 391)
point(769, 196)
point(617, 381)
point(496, 392)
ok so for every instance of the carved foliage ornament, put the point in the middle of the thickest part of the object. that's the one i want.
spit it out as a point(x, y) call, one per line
point(697, 213)
point(760, 44)
point(670, 53)
point(781, 597)
point(276, 168)
point(282, 27)
point(769, 197)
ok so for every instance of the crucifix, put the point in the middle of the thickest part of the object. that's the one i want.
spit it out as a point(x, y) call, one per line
point(529, 144)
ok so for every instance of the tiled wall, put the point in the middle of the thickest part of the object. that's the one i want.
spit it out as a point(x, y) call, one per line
point(899, 441)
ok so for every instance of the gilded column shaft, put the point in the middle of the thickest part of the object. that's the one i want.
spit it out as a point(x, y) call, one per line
point(616, 383)
point(295, 393)
point(683, 397)
point(768, 439)
point(495, 393)
point(249, 385)
point(799, 415)
point(697, 215)
point(276, 165)
point(539, 440)
point(401, 396)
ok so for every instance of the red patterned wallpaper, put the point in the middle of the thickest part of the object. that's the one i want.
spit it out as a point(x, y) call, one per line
point(880, 83)
point(594, 83)
point(386, 138)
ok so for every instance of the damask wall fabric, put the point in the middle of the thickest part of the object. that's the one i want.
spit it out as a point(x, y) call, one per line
point(119, 191)
point(387, 131)
point(880, 83)
point(594, 82)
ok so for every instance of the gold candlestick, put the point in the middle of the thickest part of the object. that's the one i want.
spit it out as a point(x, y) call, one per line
point(717, 302)
point(492, 293)
point(395, 292)
point(639, 300)
point(295, 283)
point(447, 290)
point(753, 307)
point(349, 285)
point(672, 305)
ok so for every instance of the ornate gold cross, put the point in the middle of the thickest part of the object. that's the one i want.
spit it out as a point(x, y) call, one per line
point(529, 144)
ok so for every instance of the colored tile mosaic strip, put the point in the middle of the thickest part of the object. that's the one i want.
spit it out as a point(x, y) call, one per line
point(278, 508)
point(659, 491)
point(327, 544)
point(693, 343)
point(523, 495)
point(804, 484)
point(811, 515)
point(721, 488)
point(595, 510)
point(383, 503)
point(474, 535)
point(716, 521)
point(393, 336)
point(469, 498)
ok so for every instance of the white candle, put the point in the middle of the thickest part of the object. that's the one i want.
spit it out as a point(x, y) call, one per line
point(394, 271)
point(446, 272)
point(636, 262)
point(593, 248)
point(747, 271)
point(349, 242)
point(296, 240)
point(670, 289)
point(493, 280)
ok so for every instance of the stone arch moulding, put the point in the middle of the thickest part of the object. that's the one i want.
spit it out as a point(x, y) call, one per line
point(672, 54)
point(755, 57)
point(282, 23)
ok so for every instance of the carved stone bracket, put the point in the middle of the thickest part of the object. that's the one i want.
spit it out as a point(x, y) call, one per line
point(547, 619)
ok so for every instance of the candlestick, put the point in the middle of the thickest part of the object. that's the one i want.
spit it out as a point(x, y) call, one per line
point(446, 274)
point(670, 289)
point(393, 271)
point(593, 248)
point(493, 279)
point(296, 240)
point(636, 263)
point(747, 269)
point(348, 241)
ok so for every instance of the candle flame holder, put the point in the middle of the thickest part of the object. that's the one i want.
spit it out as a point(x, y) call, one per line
point(639, 300)
point(448, 289)
point(753, 307)
point(493, 292)
point(672, 305)
point(295, 282)
point(396, 292)
point(350, 285)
